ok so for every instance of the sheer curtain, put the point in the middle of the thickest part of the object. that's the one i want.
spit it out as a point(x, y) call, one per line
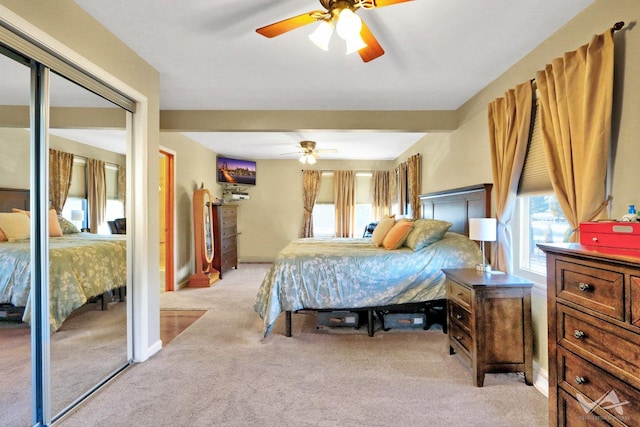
point(344, 186)
point(575, 103)
point(60, 174)
point(96, 193)
point(509, 127)
point(382, 185)
point(414, 178)
point(310, 188)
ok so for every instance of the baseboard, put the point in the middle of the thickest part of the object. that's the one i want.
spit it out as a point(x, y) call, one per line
point(541, 379)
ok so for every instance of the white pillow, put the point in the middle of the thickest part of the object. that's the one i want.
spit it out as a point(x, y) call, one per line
point(15, 225)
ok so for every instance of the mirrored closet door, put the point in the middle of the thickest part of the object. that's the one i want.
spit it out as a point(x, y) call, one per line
point(65, 329)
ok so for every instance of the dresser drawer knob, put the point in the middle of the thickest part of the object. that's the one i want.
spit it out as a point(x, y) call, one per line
point(595, 239)
point(578, 334)
point(581, 380)
point(458, 337)
point(458, 316)
point(460, 294)
point(584, 286)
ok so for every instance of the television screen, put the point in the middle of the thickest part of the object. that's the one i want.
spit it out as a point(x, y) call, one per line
point(236, 171)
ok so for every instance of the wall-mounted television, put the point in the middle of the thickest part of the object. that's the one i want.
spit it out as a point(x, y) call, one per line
point(235, 171)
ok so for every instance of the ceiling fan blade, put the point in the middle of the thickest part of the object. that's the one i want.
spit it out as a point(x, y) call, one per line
point(381, 3)
point(288, 24)
point(373, 49)
point(326, 150)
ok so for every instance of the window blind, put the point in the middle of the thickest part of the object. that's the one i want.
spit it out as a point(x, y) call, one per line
point(535, 177)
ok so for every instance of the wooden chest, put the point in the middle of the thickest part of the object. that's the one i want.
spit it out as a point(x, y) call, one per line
point(225, 231)
point(610, 234)
point(594, 336)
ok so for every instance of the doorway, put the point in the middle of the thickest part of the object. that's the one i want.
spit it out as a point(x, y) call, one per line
point(166, 172)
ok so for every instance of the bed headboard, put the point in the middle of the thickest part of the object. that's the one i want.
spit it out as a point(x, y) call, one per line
point(458, 205)
point(12, 198)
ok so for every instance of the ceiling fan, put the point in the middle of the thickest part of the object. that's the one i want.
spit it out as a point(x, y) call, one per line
point(341, 15)
point(308, 152)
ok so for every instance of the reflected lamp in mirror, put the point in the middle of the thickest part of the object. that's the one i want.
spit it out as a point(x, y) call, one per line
point(483, 230)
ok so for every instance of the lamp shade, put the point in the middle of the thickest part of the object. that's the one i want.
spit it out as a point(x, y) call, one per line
point(482, 229)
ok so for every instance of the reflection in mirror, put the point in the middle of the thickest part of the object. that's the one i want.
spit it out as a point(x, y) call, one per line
point(15, 335)
point(88, 274)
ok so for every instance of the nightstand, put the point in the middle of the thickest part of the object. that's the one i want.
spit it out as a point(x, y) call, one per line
point(489, 322)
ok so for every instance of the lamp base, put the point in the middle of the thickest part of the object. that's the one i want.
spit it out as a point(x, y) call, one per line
point(483, 267)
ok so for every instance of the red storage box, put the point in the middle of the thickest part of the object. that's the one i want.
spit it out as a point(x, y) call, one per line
point(610, 234)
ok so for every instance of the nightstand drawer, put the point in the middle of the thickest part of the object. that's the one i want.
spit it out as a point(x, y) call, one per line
point(461, 337)
point(593, 288)
point(584, 380)
point(459, 294)
point(611, 348)
point(459, 315)
point(571, 412)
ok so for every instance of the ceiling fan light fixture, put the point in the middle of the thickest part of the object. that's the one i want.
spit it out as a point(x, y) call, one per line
point(349, 24)
point(311, 160)
point(355, 43)
point(322, 35)
point(307, 158)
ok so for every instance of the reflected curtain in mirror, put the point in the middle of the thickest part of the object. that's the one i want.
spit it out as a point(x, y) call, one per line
point(382, 184)
point(344, 194)
point(414, 178)
point(96, 193)
point(60, 175)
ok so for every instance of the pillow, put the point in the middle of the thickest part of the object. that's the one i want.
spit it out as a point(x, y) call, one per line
point(54, 224)
point(15, 225)
point(381, 230)
point(397, 235)
point(3, 237)
point(426, 232)
point(67, 226)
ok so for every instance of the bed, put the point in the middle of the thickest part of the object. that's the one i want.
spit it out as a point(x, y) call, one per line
point(83, 267)
point(353, 274)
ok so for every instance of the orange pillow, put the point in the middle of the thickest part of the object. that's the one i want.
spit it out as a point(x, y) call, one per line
point(3, 237)
point(398, 234)
point(54, 225)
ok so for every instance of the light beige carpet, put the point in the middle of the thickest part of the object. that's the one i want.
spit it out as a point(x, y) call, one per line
point(219, 372)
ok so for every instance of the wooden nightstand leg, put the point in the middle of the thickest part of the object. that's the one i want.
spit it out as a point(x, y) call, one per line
point(478, 377)
point(528, 375)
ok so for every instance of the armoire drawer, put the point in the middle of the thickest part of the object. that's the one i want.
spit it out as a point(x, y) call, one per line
point(588, 384)
point(596, 289)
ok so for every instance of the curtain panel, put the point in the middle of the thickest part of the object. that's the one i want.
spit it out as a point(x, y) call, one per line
point(344, 193)
point(401, 187)
point(122, 186)
point(576, 94)
point(310, 189)
point(414, 178)
point(509, 129)
point(60, 175)
point(96, 193)
point(382, 187)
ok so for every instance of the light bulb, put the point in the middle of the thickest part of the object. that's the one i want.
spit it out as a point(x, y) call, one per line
point(349, 24)
point(322, 35)
point(311, 160)
point(303, 159)
point(355, 43)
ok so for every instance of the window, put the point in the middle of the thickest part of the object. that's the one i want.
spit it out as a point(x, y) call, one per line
point(540, 220)
point(324, 217)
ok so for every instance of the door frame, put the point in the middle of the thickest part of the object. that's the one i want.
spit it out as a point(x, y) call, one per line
point(168, 204)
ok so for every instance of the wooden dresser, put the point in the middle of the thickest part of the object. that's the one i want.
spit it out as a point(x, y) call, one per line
point(225, 232)
point(489, 322)
point(594, 336)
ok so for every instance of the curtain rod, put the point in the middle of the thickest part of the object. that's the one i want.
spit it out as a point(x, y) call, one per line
point(87, 158)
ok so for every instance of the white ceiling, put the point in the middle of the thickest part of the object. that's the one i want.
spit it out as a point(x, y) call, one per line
point(439, 53)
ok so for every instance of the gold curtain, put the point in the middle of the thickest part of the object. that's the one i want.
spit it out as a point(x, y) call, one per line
point(344, 194)
point(401, 187)
point(60, 174)
point(96, 193)
point(509, 127)
point(310, 187)
point(382, 185)
point(575, 104)
point(414, 178)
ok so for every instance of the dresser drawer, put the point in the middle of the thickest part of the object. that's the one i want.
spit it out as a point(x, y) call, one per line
point(593, 288)
point(229, 263)
point(459, 315)
point(589, 384)
point(228, 244)
point(228, 232)
point(227, 212)
point(227, 222)
point(460, 294)
point(613, 349)
point(572, 413)
point(461, 337)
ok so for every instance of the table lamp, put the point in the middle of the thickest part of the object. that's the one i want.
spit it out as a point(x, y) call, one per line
point(483, 230)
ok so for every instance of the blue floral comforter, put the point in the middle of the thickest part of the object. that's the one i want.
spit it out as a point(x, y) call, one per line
point(82, 266)
point(336, 273)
